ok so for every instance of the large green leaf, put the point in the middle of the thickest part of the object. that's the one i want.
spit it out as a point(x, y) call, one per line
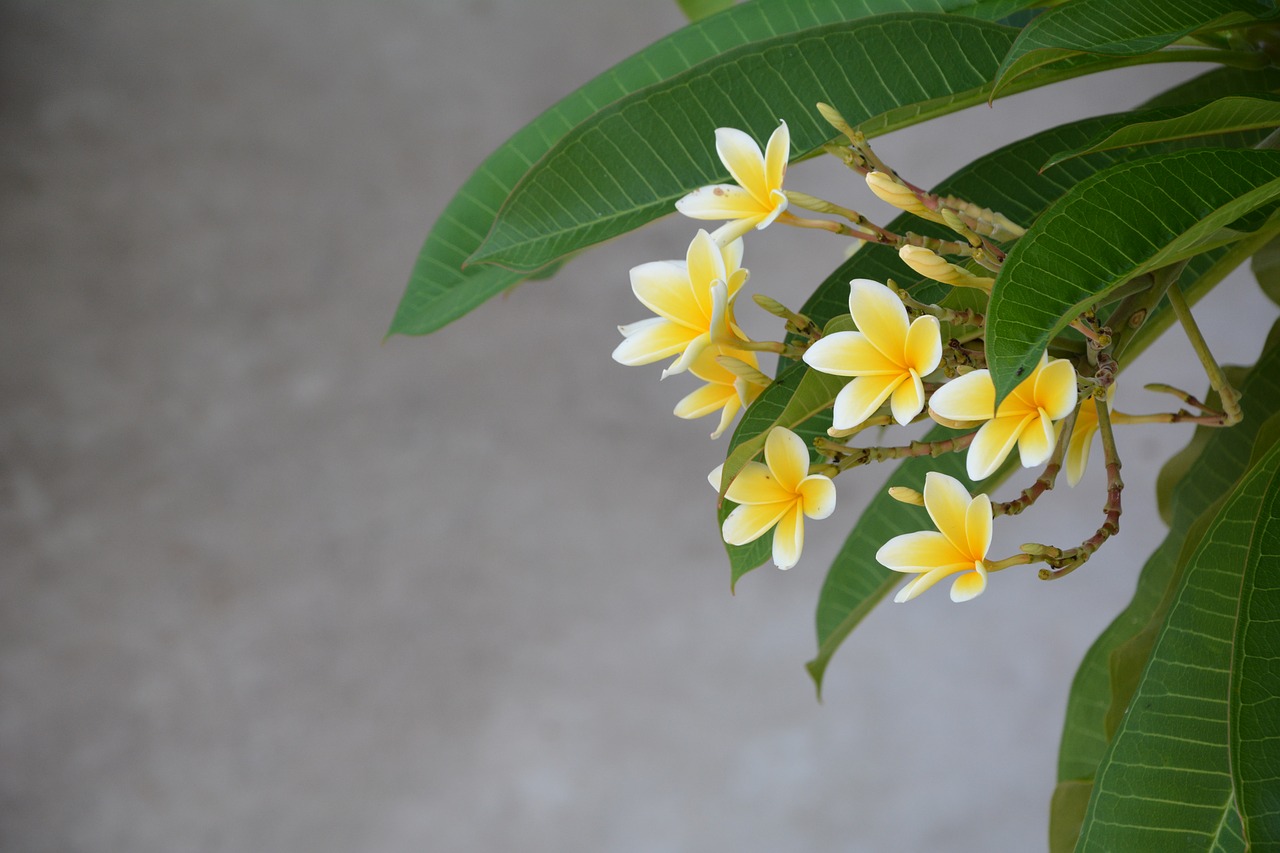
point(696, 10)
point(1166, 783)
point(440, 290)
point(1128, 220)
point(1117, 29)
point(1225, 115)
point(629, 163)
point(1255, 684)
point(1210, 475)
point(1218, 83)
point(1266, 269)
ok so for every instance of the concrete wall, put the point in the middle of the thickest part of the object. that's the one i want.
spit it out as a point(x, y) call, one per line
point(269, 584)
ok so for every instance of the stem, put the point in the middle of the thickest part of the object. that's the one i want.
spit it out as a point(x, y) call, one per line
point(1229, 396)
point(1064, 562)
point(850, 457)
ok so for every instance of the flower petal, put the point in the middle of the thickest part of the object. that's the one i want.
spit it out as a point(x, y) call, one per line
point(1081, 442)
point(709, 398)
point(971, 397)
point(992, 444)
point(817, 496)
point(755, 484)
point(923, 351)
point(1036, 442)
point(749, 522)
point(977, 527)
point(721, 201)
point(727, 414)
point(970, 584)
point(742, 157)
point(1055, 390)
point(690, 354)
point(881, 316)
point(849, 354)
point(923, 582)
point(787, 456)
point(1023, 397)
point(947, 502)
point(907, 399)
point(650, 340)
point(776, 152)
point(706, 267)
point(858, 400)
point(922, 551)
point(788, 539)
point(663, 288)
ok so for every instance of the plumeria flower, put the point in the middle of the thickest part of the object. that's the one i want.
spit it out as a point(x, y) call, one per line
point(887, 357)
point(779, 492)
point(959, 546)
point(725, 391)
point(757, 199)
point(1082, 436)
point(1024, 418)
point(694, 303)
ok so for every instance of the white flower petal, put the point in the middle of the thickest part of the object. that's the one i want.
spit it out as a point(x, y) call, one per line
point(880, 315)
point(721, 201)
point(651, 340)
point(663, 288)
point(756, 484)
point(907, 399)
point(749, 522)
point(787, 456)
point(1036, 441)
point(776, 153)
point(860, 399)
point(745, 162)
point(977, 526)
point(971, 397)
point(788, 539)
point(1055, 390)
point(849, 354)
point(970, 584)
point(922, 551)
point(923, 352)
point(991, 446)
point(817, 496)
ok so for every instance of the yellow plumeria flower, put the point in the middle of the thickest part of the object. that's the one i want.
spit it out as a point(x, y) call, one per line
point(694, 303)
point(1024, 418)
point(725, 391)
point(959, 546)
point(888, 358)
point(1082, 436)
point(779, 493)
point(758, 198)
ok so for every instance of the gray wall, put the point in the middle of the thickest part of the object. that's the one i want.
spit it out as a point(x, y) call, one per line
point(270, 584)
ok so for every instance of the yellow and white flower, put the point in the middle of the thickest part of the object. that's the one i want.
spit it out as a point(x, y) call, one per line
point(724, 391)
point(887, 357)
point(959, 546)
point(1025, 418)
point(779, 493)
point(757, 199)
point(694, 303)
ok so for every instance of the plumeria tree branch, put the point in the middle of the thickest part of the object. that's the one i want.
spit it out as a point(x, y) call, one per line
point(1229, 396)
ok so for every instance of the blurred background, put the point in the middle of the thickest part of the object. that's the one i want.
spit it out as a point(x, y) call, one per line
point(268, 583)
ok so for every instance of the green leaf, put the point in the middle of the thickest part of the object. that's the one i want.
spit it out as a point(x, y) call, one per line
point(630, 162)
point(1216, 84)
point(696, 10)
point(1224, 458)
point(1106, 27)
point(1165, 783)
point(1225, 115)
point(1266, 269)
point(1255, 683)
point(856, 582)
point(1123, 222)
point(1066, 813)
point(440, 290)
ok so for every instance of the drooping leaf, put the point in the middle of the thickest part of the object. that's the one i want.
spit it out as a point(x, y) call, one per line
point(1117, 29)
point(1127, 220)
point(630, 162)
point(1183, 799)
point(1096, 696)
point(1218, 83)
point(440, 290)
point(1225, 115)
point(696, 10)
point(1066, 813)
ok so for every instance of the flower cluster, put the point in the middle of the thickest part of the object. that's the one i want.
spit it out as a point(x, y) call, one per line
point(906, 362)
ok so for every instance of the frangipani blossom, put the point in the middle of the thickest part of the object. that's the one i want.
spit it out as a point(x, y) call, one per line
point(1024, 418)
point(959, 546)
point(779, 492)
point(757, 199)
point(888, 358)
point(694, 303)
point(725, 391)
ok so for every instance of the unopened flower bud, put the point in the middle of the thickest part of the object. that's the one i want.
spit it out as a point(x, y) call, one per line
point(889, 190)
point(906, 495)
point(931, 265)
